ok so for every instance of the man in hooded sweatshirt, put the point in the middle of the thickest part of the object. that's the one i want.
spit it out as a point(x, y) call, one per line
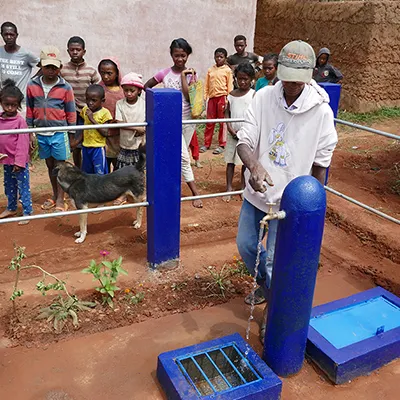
point(289, 131)
point(324, 71)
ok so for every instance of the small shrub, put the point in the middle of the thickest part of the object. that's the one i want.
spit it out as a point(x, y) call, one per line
point(132, 298)
point(107, 273)
point(62, 309)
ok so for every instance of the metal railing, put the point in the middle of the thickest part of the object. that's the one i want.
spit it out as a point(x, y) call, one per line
point(188, 198)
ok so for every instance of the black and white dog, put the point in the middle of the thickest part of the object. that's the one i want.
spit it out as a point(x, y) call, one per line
point(85, 188)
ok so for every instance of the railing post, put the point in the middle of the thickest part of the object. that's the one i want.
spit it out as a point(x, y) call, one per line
point(163, 176)
point(297, 251)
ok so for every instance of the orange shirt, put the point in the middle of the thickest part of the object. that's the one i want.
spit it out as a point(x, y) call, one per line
point(219, 82)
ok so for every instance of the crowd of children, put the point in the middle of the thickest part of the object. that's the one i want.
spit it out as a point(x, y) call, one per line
point(76, 93)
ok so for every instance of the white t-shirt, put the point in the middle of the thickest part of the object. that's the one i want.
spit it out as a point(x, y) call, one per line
point(17, 66)
point(47, 87)
point(130, 113)
point(238, 107)
point(287, 142)
point(173, 80)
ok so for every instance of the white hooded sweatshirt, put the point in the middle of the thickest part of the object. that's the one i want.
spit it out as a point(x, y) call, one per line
point(287, 140)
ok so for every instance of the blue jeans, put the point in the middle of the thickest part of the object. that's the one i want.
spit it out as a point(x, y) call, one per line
point(247, 241)
point(17, 183)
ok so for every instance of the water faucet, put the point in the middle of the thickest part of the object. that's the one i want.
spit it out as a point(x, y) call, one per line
point(272, 215)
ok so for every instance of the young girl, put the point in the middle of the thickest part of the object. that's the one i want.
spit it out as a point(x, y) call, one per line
point(238, 102)
point(178, 77)
point(111, 78)
point(16, 149)
point(130, 109)
point(269, 66)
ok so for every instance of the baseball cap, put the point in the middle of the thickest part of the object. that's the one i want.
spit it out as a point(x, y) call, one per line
point(50, 55)
point(296, 62)
point(133, 79)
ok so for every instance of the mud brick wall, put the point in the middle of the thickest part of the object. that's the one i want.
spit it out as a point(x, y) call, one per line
point(363, 36)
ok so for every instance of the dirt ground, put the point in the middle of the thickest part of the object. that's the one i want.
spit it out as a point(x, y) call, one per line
point(359, 251)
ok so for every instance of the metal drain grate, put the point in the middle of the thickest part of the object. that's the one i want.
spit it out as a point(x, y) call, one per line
point(217, 370)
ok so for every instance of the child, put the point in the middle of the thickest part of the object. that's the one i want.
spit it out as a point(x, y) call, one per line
point(15, 148)
point(324, 71)
point(241, 55)
point(217, 86)
point(195, 150)
point(130, 109)
point(238, 103)
point(111, 77)
point(94, 140)
point(269, 66)
point(80, 76)
point(178, 77)
point(50, 103)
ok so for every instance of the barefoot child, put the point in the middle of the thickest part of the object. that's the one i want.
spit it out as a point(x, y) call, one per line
point(94, 140)
point(16, 151)
point(238, 102)
point(130, 109)
point(218, 84)
point(50, 102)
point(80, 76)
point(178, 77)
point(111, 77)
point(269, 68)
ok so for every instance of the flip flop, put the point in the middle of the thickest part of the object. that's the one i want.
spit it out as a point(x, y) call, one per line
point(203, 149)
point(62, 209)
point(218, 150)
point(48, 204)
point(258, 297)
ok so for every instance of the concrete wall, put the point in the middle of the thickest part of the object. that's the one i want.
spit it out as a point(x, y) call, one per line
point(363, 37)
point(138, 32)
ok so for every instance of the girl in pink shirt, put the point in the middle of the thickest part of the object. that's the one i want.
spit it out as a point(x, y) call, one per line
point(178, 77)
point(16, 149)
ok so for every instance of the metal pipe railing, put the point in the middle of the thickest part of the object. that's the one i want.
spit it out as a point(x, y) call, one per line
point(72, 128)
point(366, 128)
point(210, 121)
point(73, 212)
point(211, 196)
point(358, 203)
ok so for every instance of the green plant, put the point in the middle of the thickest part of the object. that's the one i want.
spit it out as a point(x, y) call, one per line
point(239, 267)
point(106, 272)
point(220, 279)
point(132, 298)
point(62, 309)
point(370, 117)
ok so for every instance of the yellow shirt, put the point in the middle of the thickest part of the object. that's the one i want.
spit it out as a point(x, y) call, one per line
point(219, 82)
point(92, 137)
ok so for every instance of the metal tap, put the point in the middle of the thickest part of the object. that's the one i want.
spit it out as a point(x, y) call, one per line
point(272, 215)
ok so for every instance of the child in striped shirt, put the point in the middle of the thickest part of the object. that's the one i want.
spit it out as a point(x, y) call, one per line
point(80, 76)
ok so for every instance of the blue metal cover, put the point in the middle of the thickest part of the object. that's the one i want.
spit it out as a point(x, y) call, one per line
point(217, 369)
point(343, 340)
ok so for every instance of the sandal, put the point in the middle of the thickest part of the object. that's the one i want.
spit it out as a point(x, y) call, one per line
point(48, 204)
point(203, 149)
point(62, 209)
point(258, 297)
point(218, 150)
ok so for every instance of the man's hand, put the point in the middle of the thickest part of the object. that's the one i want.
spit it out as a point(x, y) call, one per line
point(32, 141)
point(258, 178)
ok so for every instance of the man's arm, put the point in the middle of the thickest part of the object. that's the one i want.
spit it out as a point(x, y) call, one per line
point(258, 175)
point(319, 173)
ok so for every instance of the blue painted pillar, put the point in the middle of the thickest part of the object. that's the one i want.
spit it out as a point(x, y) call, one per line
point(163, 175)
point(297, 251)
point(334, 90)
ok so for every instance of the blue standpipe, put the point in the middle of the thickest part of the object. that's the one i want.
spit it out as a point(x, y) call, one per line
point(163, 175)
point(297, 251)
point(334, 90)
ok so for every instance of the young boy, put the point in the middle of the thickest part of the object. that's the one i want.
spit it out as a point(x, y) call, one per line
point(94, 140)
point(269, 68)
point(80, 76)
point(241, 55)
point(50, 103)
point(218, 84)
point(324, 71)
